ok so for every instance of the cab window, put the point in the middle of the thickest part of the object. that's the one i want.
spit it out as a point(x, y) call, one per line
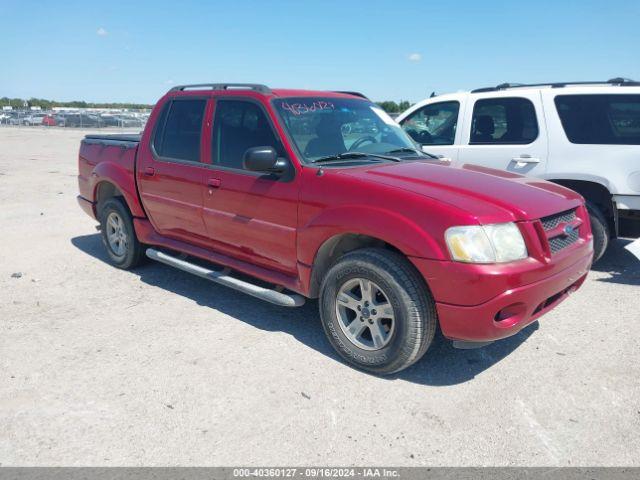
point(239, 125)
point(178, 133)
point(503, 121)
point(433, 124)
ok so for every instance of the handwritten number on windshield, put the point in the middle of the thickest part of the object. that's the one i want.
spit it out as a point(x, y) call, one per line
point(300, 108)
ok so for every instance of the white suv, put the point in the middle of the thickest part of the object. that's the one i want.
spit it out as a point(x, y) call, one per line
point(585, 136)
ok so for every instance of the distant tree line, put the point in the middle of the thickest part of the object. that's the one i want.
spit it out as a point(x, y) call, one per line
point(18, 103)
point(393, 107)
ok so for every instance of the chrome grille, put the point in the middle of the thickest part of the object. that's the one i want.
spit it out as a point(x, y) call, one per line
point(558, 243)
point(560, 240)
point(552, 221)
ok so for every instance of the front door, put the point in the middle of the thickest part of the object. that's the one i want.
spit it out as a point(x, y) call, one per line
point(435, 127)
point(172, 174)
point(249, 215)
point(506, 131)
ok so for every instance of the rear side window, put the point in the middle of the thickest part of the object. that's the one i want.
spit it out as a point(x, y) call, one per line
point(178, 133)
point(239, 125)
point(159, 128)
point(433, 124)
point(503, 121)
point(600, 119)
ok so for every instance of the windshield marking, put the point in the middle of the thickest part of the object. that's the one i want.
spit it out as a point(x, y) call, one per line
point(300, 108)
point(329, 127)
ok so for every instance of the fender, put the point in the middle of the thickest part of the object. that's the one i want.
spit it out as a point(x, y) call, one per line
point(121, 177)
point(386, 225)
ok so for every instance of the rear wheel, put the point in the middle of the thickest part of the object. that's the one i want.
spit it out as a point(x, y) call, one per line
point(377, 311)
point(600, 229)
point(119, 236)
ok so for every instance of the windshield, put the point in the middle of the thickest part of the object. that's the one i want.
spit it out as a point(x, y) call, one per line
point(324, 127)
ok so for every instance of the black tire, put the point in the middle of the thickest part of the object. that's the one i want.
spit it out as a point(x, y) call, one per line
point(132, 253)
point(414, 309)
point(600, 229)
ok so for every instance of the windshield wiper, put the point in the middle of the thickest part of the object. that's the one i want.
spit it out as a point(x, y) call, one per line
point(352, 155)
point(412, 150)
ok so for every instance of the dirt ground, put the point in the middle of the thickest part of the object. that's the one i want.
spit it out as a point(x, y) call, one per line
point(100, 366)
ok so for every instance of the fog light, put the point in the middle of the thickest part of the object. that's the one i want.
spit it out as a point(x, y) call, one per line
point(510, 312)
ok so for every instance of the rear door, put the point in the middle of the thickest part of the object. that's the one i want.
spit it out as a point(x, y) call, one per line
point(435, 126)
point(249, 215)
point(505, 130)
point(594, 133)
point(171, 173)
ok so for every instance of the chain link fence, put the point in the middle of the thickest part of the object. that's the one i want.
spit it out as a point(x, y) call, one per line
point(77, 118)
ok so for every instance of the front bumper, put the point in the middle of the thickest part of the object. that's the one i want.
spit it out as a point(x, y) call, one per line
point(627, 202)
point(513, 308)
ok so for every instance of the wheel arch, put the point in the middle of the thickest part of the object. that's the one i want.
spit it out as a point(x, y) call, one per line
point(332, 249)
point(105, 190)
point(337, 231)
point(111, 180)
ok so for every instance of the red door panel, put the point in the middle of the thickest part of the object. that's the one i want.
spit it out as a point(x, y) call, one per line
point(172, 197)
point(172, 189)
point(248, 215)
point(253, 218)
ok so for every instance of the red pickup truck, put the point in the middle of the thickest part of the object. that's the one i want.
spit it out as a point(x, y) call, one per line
point(296, 194)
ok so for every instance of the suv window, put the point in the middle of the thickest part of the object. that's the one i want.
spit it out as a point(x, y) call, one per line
point(600, 119)
point(238, 126)
point(433, 124)
point(503, 121)
point(179, 127)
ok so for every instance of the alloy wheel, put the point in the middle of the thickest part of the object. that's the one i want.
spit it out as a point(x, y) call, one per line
point(116, 234)
point(365, 314)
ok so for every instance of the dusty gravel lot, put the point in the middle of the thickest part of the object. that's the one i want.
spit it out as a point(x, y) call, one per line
point(100, 366)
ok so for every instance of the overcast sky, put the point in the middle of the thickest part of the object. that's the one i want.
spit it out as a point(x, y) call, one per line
point(390, 50)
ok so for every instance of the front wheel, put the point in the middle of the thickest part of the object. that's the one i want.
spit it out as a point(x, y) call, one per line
point(377, 311)
point(119, 236)
point(600, 230)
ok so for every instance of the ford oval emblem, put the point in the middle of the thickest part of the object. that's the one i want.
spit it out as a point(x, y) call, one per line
point(568, 230)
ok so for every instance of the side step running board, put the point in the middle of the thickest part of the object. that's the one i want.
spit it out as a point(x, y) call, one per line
point(222, 277)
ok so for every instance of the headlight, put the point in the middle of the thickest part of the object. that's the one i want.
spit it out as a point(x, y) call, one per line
point(497, 243)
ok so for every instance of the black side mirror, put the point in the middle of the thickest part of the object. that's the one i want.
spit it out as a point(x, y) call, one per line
point(263, 159)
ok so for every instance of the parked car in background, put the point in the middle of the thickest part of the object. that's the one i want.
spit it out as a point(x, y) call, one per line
point(76, 118)
point(129, 122)
point(584, 136)
point(60, 120)
point(109, 120)
point(33, 119)
point(49, 120)
point(83, 120)
point(322, 195)
point(16, 118)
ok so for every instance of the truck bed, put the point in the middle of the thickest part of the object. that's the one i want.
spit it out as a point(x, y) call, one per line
point(113, 138)
point(103, 158)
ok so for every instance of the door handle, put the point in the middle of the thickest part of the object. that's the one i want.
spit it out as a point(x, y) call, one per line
point(149, 172)
point(524, 158)
point(214, 183)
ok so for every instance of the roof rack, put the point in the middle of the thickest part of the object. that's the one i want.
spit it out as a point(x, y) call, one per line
point(223, 86)
point(618, 81)
point(357, 94)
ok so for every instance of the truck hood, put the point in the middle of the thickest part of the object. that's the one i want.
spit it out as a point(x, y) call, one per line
point(487, 194)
